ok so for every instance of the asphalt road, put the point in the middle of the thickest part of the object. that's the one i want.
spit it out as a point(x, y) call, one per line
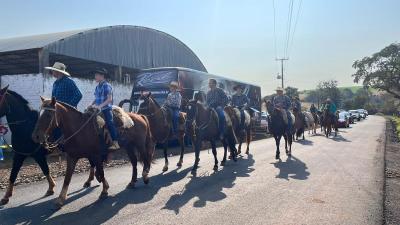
point(327, 181)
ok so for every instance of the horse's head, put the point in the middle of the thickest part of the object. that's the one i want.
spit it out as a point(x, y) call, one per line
point(46, 122)
point(191, 113)
point(270, 107)
point(148, 106)
point(4, 107)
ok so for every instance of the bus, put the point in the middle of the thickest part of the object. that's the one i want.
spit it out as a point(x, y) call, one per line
point(157, 80)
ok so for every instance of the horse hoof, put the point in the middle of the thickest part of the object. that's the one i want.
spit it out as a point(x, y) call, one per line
point(59, 203)
point(4, 201)
point(179, 164)
point(103, 195)
point(86, 185)
point(165, 169)
point(146, 180)
point(277, 157)
point(215, 168)
point(247, 152)
point(239, 152)
point(130, 186)
point(230, 157)
point(222, 163)
point(49, 193)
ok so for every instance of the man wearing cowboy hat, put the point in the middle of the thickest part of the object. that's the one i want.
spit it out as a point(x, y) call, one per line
point(296, 103)
point(283, 103)
point(173, 103)
point(103, 102)
point(64, 88)
point(217, 99)
point(240, 101)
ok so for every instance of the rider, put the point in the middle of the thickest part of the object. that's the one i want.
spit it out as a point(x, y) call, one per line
point(240, 101)
point(217, 99)
point(331, 109)
point(313, 109)
point(64, 90)
point(296, 103)
point(173, 103)
point(103, 102)
point(282, 102)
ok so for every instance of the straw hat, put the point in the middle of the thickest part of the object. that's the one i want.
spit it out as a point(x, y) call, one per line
point(279, 89)
point(59, 67)
point(238, 86)
point(174, 84)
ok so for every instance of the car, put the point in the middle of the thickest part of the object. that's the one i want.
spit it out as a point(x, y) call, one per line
point(343, 120)
point(362, 113)
point(355, 114)
point(264, 120)
point(348, 114)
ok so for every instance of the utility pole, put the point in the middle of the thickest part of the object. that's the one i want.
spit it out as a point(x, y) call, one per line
point(282, 59)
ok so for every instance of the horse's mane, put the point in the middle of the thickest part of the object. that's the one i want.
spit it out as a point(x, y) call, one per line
point(69, 107)
point(18, 96)
point(155, 102)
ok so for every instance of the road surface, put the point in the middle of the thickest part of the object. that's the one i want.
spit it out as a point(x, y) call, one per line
point(327, 181)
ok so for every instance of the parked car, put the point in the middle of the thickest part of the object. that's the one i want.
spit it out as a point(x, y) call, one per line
point(355, 114)
point(264, 120)
point(348, 114)
point(343, 120)
point(363, 113)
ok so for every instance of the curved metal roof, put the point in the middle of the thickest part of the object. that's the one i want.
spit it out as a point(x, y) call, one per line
point(124, 45)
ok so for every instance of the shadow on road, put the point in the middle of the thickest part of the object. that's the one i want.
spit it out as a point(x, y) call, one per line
point(209, 188)
point(305, 142)
point(340, 138)
point(293, 168)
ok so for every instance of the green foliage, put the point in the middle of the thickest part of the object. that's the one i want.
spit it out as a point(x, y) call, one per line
point(292, 92)
point(381, 70)
point(329, 89)
point(396, 120)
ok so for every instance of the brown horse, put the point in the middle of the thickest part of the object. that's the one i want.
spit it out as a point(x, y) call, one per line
point(242, 128)
point(299, 123)
point(161, 126)
point(82, 140)
point(202, 124)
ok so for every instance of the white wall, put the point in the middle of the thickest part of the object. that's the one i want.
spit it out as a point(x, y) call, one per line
point(31, 86)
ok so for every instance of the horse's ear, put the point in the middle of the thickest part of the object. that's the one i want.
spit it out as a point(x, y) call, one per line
point(3, 90)
point(53, 101)
point(149, 94)
point(42, 99)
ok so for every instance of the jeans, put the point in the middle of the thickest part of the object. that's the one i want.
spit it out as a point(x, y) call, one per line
point(221, 117)
point(175, 119)
point(289, 116)
point(108, 117)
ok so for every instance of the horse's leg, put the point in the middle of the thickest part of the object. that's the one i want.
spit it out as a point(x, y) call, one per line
point(40, 158)
point(277, 141)
point(91, 175)
point(248, 140)
point(182, 143)
point(17, 163)
point(290, 141)
point(133, 158)
point(240, 145)
point(225, 152)
point(286, 137)
point(197, 145)
point(71, 163)
point(214, 151)
point(106, 186)
point(141, 148)
point(165, 146)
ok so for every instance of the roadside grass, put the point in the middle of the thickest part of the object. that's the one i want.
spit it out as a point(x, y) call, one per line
point(396, 120)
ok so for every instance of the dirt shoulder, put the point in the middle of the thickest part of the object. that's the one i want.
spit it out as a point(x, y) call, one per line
point(392, 176)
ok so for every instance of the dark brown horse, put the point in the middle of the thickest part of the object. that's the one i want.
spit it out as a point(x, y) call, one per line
point(299, 123)
point(242, 128)
point(202, 124)
point(161, 126)
point(82, 140)
point(21, 120)
point(329, 123)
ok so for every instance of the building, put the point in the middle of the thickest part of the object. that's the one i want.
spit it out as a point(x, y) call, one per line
point(123, 50)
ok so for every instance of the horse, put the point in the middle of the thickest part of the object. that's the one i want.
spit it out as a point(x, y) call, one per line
point(311, 122)
point(242, 130)
point(82, 140)
point(299, 123)
point(279, 129)
point(328, 123)
point(21, 120)
point(202, 123)
point(161, 127)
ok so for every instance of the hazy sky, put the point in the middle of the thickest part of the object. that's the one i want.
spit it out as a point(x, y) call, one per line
point(234, 37)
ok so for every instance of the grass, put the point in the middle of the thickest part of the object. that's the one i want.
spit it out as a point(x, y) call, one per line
point(396, 120)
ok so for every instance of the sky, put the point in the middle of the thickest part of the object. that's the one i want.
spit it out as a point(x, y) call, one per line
point(235, 38)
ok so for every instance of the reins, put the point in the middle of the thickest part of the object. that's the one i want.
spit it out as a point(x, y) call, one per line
point(63, 140)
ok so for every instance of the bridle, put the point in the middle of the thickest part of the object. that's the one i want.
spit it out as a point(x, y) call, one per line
point(4, 101)
point(60, 140)
point(192, 121)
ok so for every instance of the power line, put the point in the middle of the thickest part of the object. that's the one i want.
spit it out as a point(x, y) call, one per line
point(295, 25)
point(289, 25)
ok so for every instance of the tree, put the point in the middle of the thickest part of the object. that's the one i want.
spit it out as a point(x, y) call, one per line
point(347, 93)
point(292, 92)
point(381, 70)
point(312, 97)
point(329, 89)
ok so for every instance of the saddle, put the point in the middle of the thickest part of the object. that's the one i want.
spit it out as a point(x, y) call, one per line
point(167, 113)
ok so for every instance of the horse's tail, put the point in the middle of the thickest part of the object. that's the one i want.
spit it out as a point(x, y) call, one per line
point(299, 131)
point(148, 155)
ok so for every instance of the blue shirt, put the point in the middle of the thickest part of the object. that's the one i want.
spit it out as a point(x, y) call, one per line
point(282, 101)
point(239, 100)
point(65, 90)
point(216, 97)
point(101, 93)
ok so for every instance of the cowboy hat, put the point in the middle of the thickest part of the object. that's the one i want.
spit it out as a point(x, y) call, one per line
point(238, 86)
point(101, 71)
point(59, 67)
point(279, 89)
point(174, 84)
